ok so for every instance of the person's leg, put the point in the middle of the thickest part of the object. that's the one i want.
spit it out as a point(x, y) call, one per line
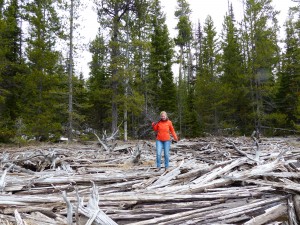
point(167, 145)
point(159, 146)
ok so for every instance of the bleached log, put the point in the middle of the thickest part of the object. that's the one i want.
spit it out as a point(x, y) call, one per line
point(18, 217)
point(92, 210)
point(232, 211)
point(241, 152)
point(255, 171)
point(270, 215)
point(257, 151)
point(296, 199)
point(44, 208)
point(19, 168)
point(291, 212)
point(102, 143)
point(205, 213)
point(282, 185)
point(2, 180)
point(38, 218)
point(219, 171)
point(69, 208)
point(135, 156)
point(168, 218)
point(166, 178)
point(123, 190)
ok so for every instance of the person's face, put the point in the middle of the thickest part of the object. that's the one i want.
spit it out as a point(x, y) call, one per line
point(163, 116)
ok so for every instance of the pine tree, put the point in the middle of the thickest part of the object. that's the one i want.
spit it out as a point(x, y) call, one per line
point(261, 53)
point(11, 65)
point(235, 105)
point(99, 92)
point(288, 99)
point(112, 15)
point(161, 86)
point(42, 96)
point(139, 49)
point(183, 41)
point(207, 87)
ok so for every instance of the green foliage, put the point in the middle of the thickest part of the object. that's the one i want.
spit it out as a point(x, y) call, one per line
point(44, 86)
point(287, 97)
point(161, 87)
point(261, 56)
point(207, 88)
point(235, 94)
point(99, 92)
point(11, 65)
point(241, 83)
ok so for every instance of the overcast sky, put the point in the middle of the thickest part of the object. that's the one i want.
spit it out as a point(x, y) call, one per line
point(200, 10)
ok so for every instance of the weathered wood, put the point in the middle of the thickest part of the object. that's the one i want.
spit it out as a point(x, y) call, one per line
point(270, 215)
point(93, 212)
point(296, 199)
point(19, 220)
point(208, 183)
point(291, 212)
point(219, 171)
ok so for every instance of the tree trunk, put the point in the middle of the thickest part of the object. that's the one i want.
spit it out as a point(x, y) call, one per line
point(70, 110)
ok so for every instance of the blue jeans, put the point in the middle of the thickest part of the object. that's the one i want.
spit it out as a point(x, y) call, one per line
point(159, 146)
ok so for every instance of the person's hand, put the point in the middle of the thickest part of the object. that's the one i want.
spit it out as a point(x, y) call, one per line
point(153, 123)
point(174, 141)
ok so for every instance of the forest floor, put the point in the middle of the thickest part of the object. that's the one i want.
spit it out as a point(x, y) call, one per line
point(212, 180)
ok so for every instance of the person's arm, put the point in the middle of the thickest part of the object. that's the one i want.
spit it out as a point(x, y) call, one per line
point(173, 132)
point(155, 126)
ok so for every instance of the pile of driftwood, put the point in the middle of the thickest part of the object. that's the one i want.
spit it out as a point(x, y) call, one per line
point(213, 180)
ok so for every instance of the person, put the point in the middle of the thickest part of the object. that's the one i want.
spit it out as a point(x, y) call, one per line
point(163, 139)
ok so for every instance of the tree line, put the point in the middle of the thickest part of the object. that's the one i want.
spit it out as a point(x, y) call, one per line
point(243, 79)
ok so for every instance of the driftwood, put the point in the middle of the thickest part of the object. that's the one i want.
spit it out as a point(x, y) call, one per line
point(212, 180)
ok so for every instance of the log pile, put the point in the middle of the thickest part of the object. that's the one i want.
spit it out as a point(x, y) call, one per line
point(212, 180)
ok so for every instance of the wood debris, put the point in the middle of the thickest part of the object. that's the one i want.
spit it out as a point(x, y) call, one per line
point(213, 180)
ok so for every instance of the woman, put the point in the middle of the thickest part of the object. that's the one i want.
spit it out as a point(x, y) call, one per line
point(163, 139)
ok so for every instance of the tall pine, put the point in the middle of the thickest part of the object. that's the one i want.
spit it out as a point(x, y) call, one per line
point(43, 102)
point(207, 87)
point(161, 87)
point(184, 41)
point(288, 100)
point(261, 55)
point(12, 64)
point(235, 104)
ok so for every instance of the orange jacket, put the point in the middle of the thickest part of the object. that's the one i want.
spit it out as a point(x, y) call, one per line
point(163, 129)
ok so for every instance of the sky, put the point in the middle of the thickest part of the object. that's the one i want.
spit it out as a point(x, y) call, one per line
point(200, 10)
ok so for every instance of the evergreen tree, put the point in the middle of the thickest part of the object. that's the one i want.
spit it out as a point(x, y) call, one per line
point(161, 86)
point(112, 15)
point(288, 99)
point(207, 87)
point(183, 41)
point(235, 105)
point(11, 65)
point(140, 31)
point(81, 104)
point(98, 85)
point(261, 53)
point(42, 99)
point(70, 14)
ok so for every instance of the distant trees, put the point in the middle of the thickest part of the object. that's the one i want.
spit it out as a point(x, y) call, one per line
point(207, 87)
point(41, 96)
point(161, 85)
point(236, 103)
point(235, 81)
point(288, 94)
point(184, 41)
point(11, 66)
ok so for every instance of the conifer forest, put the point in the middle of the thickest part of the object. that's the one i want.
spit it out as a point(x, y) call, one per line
point(242, 79)
point(77, 149)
